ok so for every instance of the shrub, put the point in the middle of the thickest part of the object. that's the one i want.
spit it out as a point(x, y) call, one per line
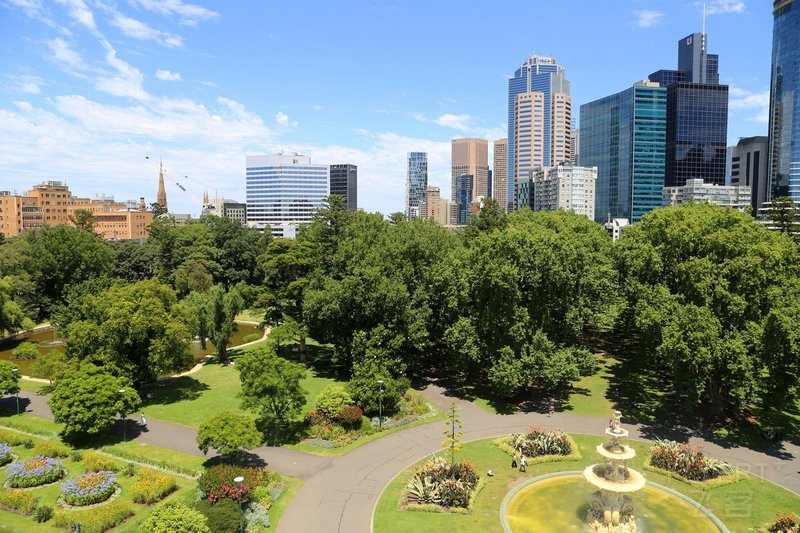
point(50, 448)
point(537, 442)
point(217, 482)
point(26, 351)
point(96, 520)
point(789, 523)
point(129, 470)
point(43, 513)
point(94, 462)
point(12, 437)
point(443, 483)
point(687, 461)
point(414, 403)
point(38, 470)
point(222, 516)
point(19, 501)
point(349, 415)
point(28, 443)
point(175, 518)
point(152, 486)
point(89, 488)
point(5, 454)
point(76, 456)
point(256, 517)
point(332, 399)
point(262, 496)
point(326, 431)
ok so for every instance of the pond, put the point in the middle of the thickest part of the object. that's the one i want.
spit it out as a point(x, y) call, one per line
point(47, 342)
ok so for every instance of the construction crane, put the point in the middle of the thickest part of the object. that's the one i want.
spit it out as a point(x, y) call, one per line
point(205, 206)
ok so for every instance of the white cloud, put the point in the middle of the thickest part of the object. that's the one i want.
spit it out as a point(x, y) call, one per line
point(128, 80)
point(283, 119)
point(648, 19)
point(167, 75)
point(754, 104)
point(81, 13)
point(721, 7)
point(458, 122)
point(190, 14)
point(31, 8)
point(25, 84)
point(144, 32)
point(66, 57)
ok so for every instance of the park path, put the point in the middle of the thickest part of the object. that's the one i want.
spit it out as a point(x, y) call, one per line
point(339, 494)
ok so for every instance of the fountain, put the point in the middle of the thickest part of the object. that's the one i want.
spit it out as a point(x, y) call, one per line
point(611, 509)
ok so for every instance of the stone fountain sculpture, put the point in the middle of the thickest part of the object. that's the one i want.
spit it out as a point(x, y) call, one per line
point(611, 509)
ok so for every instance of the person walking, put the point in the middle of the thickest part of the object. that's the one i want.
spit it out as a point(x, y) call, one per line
point(522, 464)
point(144, 421)
point(514, 461)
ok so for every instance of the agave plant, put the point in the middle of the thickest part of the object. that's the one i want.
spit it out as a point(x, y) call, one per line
point(423, 490)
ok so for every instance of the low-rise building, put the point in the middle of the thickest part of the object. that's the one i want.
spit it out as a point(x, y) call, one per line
point(735, 196)
point(565, 187)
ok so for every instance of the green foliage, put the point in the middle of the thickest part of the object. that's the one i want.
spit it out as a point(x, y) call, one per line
point(9, 380)
point(152, 486)
point(453, 433)
point(12, 317)
point(53, 366)
point(95, 520)
point(216, 311)
point(26, 351)
point(13, 438)
point(687, 461)
point(84, 220)
point(94, 462)
point(88, 400)
point(443, 483)
point(175, 517)
point(256, 518)
point(19, 501)
point(271, 385)
point(365, 390)
point(133, 260)
point(51, 448)
point(217, 483)
point(785, 215)
point(222, 517)
point(331, 400)
point(43, 513)
point(229, 434)
point(262, 495)
point(538, 442)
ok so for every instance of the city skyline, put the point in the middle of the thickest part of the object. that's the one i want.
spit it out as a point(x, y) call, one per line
point(97, 92)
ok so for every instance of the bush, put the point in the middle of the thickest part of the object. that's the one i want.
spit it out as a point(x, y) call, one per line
point(414, 403)
point(75, 456)
point(687, 461)
point(38, 470)
point(537, 442)
point(152, 486)
point(18, 501)
point(222, 516)
point(217, 482)
point(326, 431)
point(13, 438)
point(89, 488)
point(585, 361)
point(43, 513)
point(50, 448)
point(251, 337)
point(443, 483)
point(5, 454)
point(96, 520)
point(129, 470)
point(26, 351)
point(349, 415)
point(332, 399)
point(263, 497)
point(789, 523)
point(94, 462)
point(256, 518)
point(175, 518)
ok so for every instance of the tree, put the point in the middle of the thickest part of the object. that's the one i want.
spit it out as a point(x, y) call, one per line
point(133, 261)
point(26, 351)
point(88, 400)
point(491, 217)
point(53, 366)
point(84, 220)
point(157, 209)
point(271, 386)
point(139, 331)
point(453, 441)
point(786, 216)
point(12, 318)
point(221, 310)
point(9, 379)
point(175, 517)
point(331, 400)
point(229, 434)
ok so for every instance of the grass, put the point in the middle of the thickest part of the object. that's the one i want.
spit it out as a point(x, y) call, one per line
point(180, 463)
point(251, 315)
point(279, 506)
point(589, 396)
point(28, 423)
point(33, 386)
point(742, 506)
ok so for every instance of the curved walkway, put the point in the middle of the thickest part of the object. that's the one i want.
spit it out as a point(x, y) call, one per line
point(340, 494)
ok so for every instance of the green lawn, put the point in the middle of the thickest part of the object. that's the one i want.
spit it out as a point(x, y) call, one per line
point(171, 460)
point(589, 394)
point(742, 506)
point(28, 423)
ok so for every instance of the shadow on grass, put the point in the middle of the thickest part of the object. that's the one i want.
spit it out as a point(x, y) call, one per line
point(243, 458)
point(171, 390)
point(288, 433)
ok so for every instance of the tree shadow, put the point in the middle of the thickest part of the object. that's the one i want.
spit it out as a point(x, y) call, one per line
point(289, 432)
point(455, 388)
point(171, 390)
point(8, 406)
point(243, 458)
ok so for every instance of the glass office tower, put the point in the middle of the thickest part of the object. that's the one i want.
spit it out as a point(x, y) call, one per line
point(784, 108)
point(417, 185)
point(344, 182)
point(463, 197)
point(624, 136)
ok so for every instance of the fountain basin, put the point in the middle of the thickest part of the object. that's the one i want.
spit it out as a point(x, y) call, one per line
point(559, 502)
point(625, 453)
point(634, 482)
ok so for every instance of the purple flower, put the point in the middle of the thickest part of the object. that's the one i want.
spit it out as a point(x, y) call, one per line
point(89, 488)
point(38, 470)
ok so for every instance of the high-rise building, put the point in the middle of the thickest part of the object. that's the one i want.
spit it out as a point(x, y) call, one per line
point(539, 118)
point(463, 197)
point(438, 208)
point(784, 102)
point(470, 156)
point(344, 182)
point(696, 190)
point(697, 115)
point(416, 185)
point(624, 136)
point(564, 187)
point(576, 146)
point(500, 173)
point(749, 165)
point(284, 191)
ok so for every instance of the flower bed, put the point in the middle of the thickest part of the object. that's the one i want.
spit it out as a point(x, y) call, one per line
point(89, 488)
point(33, 472)
point(540, 446)
point(5, 454)
point(217, 483)
point(152, 486)
point(785, 524)
point(18, 501)
point(95, 520)
point(439, 483)
point(688, 462)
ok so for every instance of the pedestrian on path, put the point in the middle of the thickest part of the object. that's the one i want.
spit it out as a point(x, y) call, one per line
point(522, 464)
point(514, 461)
point(144, 422)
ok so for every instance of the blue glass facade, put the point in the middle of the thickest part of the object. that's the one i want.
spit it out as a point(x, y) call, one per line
point(784, 126)
point(624, 136)
point(464, 197)
point(417, 185)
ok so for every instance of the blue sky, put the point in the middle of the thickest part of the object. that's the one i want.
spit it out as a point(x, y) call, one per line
point(88, 88)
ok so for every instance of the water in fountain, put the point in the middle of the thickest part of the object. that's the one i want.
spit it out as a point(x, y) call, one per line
point(611, 509)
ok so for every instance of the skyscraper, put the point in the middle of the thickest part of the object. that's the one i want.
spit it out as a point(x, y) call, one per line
point(576, 145)
point(624, 136)
point(500, 173)
point(563, 187)
point(284, 191)
point(784, 102)
point(697, 115)
point(463, 197)
point(470, 156)
point(539, 118)
point(344, 182)
point(417, 185)
point(749, 168)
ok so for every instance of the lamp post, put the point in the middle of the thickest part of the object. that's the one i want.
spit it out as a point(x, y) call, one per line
point(238, 480)
point(380, 405)
point(122, 414)
point(15, 370)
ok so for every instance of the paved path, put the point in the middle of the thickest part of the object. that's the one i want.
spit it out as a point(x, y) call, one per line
point(340, 494)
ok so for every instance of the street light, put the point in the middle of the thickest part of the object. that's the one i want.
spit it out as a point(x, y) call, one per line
point(15, 370)
point(122, 414)
point(238, 480)
point(380, 405)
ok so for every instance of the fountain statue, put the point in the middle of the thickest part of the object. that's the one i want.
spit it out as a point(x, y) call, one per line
point(611, 509)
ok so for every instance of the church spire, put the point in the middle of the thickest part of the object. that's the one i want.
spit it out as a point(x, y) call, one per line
point(205, 198)
point(162, 193)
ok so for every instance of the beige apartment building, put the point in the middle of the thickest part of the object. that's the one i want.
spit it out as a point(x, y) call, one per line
point(438, 208)
point(500, 173)
point(533, 148)
point(564, 187)
point(470, 156)
point(51, 203)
